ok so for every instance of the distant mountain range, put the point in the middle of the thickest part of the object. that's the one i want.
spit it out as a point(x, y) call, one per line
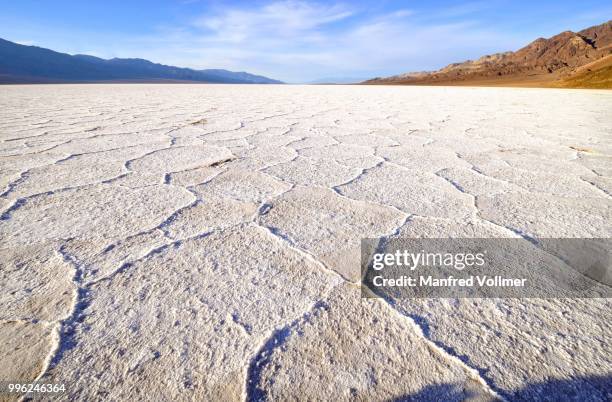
point(569, 59)
point(32, 64)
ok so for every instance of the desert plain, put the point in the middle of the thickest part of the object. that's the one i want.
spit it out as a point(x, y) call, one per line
point(201, 242)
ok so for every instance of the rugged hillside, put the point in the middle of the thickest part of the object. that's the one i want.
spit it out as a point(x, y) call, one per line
point(557, 61)
point(31, 64)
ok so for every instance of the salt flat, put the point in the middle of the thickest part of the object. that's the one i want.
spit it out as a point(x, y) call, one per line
point(193, 242)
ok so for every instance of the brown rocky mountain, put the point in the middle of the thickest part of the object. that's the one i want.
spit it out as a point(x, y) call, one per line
point(569, 59)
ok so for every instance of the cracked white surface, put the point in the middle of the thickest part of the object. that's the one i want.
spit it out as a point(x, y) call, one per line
point(334, 227)
point(198, 241)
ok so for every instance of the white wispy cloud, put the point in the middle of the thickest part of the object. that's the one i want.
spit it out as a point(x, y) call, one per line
point(26, 42)
point(274, 21)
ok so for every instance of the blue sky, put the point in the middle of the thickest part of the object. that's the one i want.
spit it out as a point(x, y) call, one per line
point(295, 40)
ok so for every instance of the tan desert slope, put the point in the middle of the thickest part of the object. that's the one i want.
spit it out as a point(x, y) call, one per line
point(569, 59)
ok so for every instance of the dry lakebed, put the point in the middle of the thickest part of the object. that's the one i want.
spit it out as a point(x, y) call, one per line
point(201, 242)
